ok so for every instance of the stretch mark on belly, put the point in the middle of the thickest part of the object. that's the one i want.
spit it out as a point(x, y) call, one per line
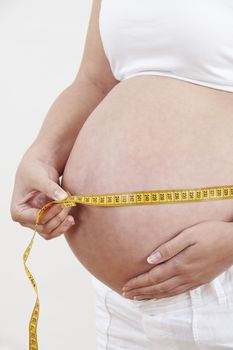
point(119, 199)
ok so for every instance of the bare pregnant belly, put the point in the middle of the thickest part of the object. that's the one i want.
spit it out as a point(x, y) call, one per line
point(148, 133)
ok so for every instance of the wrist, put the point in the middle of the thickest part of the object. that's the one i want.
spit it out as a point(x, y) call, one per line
point(47, 153)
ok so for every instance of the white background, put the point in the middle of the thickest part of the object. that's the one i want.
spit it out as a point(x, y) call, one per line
point(40, 53)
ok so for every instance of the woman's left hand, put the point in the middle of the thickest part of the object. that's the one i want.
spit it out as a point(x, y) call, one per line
point(194, 257)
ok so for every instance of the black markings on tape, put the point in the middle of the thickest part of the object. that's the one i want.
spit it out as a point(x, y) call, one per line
point(129, 198)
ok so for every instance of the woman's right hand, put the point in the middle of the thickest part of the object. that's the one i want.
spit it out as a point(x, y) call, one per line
point(37, 183)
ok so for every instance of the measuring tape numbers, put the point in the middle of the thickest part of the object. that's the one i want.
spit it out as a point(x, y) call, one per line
point(119, 199)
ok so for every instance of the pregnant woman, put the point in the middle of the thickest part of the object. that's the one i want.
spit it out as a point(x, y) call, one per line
point(151, 108)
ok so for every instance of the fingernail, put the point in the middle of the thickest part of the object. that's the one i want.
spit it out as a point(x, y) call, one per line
point(71, 221)
point(60, 195)
point(154, 258)
point(125, 288)
point(128, 296)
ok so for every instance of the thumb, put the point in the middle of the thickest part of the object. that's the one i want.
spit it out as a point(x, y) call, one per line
point(52, 189)
point(169, 249)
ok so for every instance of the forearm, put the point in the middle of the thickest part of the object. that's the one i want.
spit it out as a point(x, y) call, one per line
point(63, 122)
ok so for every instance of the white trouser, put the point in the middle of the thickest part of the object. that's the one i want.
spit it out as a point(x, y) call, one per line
point(199, 319)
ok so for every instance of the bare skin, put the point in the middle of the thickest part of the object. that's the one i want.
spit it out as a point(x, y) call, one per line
point(149, 132)
point(145, 133)
point(37, 176)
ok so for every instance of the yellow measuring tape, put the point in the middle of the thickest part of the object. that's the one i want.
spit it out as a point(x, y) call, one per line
point(119, 199)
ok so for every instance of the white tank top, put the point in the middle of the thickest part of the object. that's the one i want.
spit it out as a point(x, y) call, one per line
point(190, 40)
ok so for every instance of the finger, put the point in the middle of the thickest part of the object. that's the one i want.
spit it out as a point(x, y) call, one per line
point(61, 229)
point(169, 249)
point(49, 225)
point(55, 221)
point(178, 291)
point(47, 186)
point(158, 274)
point(27, 217)
point(37, 200)
point(51, 212)
point(156, 289)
